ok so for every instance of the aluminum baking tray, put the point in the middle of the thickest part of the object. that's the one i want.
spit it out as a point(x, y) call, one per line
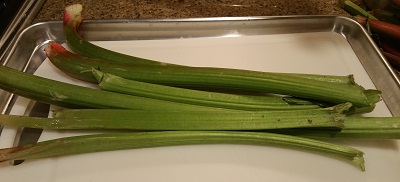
point(302, 44)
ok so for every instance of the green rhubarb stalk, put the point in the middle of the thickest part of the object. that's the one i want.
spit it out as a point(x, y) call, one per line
point(220, 78)
point(354, 9)
point(72, 21)
point(182, 120)
point(115, 113)
point(114, 83)
point(123, 141)
point(354, 128)
point(73, 96)
point(57, 53)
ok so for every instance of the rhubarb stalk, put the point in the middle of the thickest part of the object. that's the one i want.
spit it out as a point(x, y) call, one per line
point(133, 140)
point(389, 30)
point(297, 85)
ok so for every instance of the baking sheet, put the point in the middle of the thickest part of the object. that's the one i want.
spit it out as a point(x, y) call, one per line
point(324, 48)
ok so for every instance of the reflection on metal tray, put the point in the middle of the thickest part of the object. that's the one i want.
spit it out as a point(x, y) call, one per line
point(16, 15)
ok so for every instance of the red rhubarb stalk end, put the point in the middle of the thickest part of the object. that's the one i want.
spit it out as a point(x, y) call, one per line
point(55, 49)
point(382, 28)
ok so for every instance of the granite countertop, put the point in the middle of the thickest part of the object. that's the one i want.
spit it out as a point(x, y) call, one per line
point(156, 9)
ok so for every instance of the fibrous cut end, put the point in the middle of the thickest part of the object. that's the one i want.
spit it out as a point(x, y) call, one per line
point(73, 15)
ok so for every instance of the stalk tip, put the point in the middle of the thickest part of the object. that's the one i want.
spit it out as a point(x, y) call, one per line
point(360, 162)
